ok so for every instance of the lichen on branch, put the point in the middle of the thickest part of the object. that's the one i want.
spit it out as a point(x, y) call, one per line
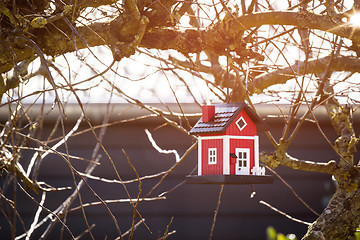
point(189, 41)
point(273, 160)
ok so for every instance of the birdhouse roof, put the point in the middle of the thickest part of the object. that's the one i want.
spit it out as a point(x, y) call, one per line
point(224, 115)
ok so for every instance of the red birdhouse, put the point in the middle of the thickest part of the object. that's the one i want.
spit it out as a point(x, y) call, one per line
point(228, 145)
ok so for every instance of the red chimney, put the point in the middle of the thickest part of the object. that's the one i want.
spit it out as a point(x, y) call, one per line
point(208, 112)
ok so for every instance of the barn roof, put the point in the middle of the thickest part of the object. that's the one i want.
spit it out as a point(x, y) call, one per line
point(224, 115)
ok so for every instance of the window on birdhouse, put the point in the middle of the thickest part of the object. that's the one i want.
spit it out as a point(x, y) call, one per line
point(212, 155)
point(241, 123)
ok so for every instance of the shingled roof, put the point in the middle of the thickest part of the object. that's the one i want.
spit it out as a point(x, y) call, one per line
point(224, 115)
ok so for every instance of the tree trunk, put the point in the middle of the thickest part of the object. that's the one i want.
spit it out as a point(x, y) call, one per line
point(339, 219)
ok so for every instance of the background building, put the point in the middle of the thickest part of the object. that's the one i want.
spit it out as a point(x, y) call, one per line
point(191, 206)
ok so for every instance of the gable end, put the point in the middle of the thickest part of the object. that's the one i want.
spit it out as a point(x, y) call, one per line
point(224, 115)
point(241, 123)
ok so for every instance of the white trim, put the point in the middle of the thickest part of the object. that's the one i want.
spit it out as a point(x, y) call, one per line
point(228, 136)
point(256, 151)
point(212, 137)
point(226, 155)
point(243, 137)
point(212, 159)
point(199, 156)
point(237, 123)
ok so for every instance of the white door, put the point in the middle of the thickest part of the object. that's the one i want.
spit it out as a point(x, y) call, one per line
point(242, 161)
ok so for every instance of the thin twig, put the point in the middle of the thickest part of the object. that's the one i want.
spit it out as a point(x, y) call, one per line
point(216, 212)
point(85, 232)
point(292, 190)
point(153, 143)
point(128, 231)
point(137, 199)
point(166, 233)
point(122, 182)
point(116, 201)
point(46, 209)
point(38, 157)
point(188, 151)
point(36, 217)
point(284, 214)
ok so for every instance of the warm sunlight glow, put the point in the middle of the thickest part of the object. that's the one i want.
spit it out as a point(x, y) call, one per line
point(355, 19)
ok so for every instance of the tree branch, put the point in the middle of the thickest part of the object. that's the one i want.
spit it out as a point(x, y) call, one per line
point(274, 160)
point(54, 42)
point(301, 19)
point(341, 63)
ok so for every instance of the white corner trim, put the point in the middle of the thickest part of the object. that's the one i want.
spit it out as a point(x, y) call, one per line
point(226, 155)
point(256, 151)
point(199, 156)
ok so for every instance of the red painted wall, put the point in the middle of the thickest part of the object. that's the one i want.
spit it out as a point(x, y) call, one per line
point(213, 169)
point(249, 130)
point(232, 130)
point(241, 143)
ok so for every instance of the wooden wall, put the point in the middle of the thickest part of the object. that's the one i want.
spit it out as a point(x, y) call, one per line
point(192, 206)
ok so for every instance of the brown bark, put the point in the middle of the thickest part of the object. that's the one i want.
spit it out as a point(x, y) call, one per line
point(313, 66)
point(54, 42)
point(339, 219)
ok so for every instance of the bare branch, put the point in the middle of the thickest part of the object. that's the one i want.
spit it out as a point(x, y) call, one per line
point(315, 66)
point(284, 214)
point(116, 201)
point(216, 212)
point(292, 190)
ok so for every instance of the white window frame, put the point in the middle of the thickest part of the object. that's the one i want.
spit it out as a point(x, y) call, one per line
point(237, 123)
point(212, 156)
